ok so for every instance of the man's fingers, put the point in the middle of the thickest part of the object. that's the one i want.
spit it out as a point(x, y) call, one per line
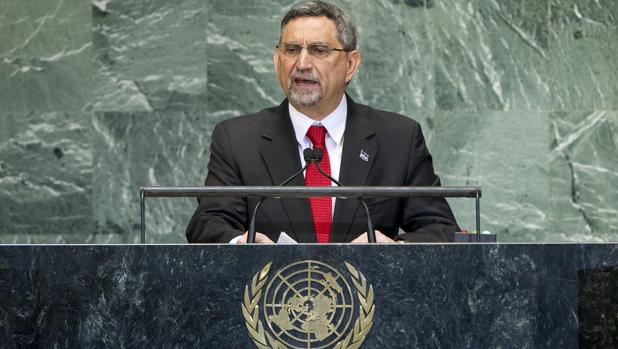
point(243, 239)
point(259, 238)
point(262, 239)
point(380, 238)
point(383, 239)
point(361, 239)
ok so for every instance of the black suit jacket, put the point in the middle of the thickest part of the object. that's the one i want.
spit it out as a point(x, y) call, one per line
point(261, 149)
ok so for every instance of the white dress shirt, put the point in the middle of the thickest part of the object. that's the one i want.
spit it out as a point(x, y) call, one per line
point(335, 126)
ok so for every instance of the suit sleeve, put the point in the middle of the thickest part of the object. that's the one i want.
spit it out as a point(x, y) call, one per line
point(219, 219)
point(425, 219)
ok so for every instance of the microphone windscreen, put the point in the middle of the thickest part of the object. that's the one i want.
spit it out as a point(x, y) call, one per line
point(307, 154)
point(317, 154)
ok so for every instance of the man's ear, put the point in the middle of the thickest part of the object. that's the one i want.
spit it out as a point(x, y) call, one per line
point(353, 61)
point(276, 60)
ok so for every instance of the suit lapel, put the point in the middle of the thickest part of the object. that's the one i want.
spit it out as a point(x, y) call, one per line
point(278, 146)
point(359, 151)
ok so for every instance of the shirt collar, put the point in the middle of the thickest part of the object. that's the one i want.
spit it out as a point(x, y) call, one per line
point(333, 122)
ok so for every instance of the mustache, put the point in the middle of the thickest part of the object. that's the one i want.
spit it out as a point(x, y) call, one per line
point(305, 76)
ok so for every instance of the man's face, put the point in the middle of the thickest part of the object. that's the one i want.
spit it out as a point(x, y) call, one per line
point(314, 86)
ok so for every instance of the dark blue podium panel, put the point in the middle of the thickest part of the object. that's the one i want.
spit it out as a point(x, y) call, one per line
point(407, 296)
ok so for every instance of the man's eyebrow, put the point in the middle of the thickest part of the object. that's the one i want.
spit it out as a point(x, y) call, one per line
point(310, 43)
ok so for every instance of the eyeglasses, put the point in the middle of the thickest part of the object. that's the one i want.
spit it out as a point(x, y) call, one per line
point(319, 51)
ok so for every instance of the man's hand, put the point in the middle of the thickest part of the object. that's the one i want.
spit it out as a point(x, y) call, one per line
point(259, 238)
point(380, 238)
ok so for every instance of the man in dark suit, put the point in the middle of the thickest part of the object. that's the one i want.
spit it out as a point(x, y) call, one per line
point(315, 60)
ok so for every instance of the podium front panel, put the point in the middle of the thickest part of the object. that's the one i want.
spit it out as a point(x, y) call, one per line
point(208, 296)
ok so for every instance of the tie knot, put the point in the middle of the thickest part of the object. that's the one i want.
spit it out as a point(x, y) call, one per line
point(317, 135)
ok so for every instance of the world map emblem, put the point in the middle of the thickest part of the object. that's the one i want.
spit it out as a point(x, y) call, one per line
point(308, 304)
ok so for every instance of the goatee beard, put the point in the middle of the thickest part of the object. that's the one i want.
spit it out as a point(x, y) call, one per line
point(306, 98)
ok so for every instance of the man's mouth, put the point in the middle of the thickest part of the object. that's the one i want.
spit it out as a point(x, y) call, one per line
point(305, 82)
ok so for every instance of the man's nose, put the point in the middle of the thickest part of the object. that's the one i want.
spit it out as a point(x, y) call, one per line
point(304, 59)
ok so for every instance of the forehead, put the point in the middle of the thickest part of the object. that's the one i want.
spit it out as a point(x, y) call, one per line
point(310, 29)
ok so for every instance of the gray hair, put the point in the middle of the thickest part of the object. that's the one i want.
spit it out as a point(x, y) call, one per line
point(346, 30)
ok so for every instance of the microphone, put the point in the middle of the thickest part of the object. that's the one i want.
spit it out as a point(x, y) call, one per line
point(371, 233)
point(310, 156)
point(313, 155)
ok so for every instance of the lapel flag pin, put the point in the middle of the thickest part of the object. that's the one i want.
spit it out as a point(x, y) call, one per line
point(364, 156)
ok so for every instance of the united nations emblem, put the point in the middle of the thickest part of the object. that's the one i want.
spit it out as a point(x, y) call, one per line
point(308, 304)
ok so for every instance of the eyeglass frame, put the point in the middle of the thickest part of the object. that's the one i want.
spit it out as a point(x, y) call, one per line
point(306, 46)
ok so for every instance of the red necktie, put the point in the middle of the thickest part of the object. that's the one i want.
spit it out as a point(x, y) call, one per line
point(321, 207)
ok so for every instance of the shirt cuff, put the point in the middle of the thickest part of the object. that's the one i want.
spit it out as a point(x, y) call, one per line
point(235, 240)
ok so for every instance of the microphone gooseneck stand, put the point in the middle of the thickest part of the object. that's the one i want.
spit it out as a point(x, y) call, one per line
point(311, 156)
point(371, 233)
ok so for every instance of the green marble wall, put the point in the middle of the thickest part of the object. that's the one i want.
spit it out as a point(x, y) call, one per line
point(98, 98)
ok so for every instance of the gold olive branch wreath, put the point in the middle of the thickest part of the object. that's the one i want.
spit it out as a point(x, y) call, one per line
point(264, 340)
